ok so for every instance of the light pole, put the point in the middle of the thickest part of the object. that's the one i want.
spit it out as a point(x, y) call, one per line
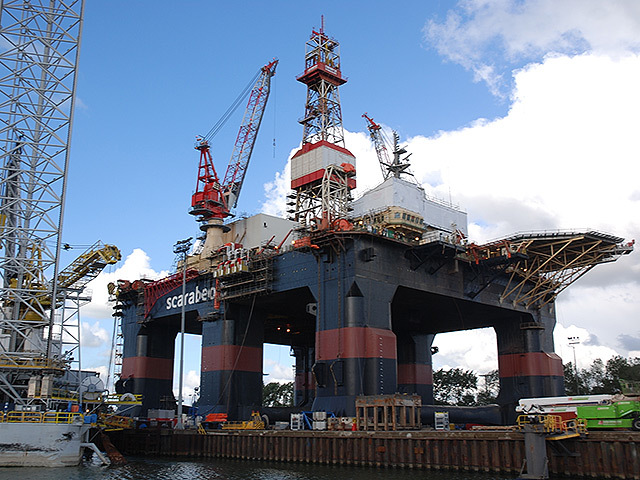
point(182, 247)
point(573, 341)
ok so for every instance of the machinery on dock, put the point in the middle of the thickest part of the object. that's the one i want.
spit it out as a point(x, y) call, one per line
point(596, 411)
point(256, 423)
point(622, 412)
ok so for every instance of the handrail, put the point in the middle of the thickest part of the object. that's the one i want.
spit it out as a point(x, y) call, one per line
point(41, 417)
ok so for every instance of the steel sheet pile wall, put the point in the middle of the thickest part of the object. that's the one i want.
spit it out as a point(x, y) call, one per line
point(609, 455)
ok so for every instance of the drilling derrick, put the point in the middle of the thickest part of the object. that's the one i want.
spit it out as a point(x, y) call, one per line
point(213, 200)
point(323, 170)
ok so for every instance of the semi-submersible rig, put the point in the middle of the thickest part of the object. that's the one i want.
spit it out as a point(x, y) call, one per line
point(360, 291)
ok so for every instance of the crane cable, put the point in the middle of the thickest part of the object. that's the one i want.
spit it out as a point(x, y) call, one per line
point(234, 106)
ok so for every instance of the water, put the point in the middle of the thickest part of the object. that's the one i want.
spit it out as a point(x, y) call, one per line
point(140, 468)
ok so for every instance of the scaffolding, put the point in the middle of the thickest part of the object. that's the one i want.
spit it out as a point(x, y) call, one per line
point(256, 279)
point(40, 48)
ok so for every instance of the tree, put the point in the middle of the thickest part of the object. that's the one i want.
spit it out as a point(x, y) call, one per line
point(454, 387)
point(574, 385)
point(601, 378)
point(488, 394)
point(276, 394)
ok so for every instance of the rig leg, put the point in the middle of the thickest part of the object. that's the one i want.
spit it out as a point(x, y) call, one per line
point(231, 376)
point(355, 347)
point(147, 364)
point(415, 372)
point(305, 385)
point(526, 362)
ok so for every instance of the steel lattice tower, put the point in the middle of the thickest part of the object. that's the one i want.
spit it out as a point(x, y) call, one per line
point(322, 170)
point(38, 60)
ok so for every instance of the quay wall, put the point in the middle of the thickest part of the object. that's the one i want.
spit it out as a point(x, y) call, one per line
point(599, 455)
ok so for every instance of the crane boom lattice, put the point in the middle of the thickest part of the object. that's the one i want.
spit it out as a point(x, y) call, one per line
point(390, 168)
point(213, 200)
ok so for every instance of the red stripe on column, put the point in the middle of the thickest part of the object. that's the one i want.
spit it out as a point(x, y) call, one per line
point(355, 342)
point(415, 374)
point(231, 357)
point(147, 367)
point(530, 364)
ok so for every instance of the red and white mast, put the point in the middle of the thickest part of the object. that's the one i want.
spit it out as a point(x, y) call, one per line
point(323, 170)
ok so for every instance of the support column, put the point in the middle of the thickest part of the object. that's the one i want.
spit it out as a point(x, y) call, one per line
point(527, 364)
point(415, 371)
point(355, 347)
point(231, 375)
point(147, 364)
point(304, 384)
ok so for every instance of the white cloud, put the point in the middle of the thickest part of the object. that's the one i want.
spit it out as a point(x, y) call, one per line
point(277, 190)
point(585, 343)
point(604, 312)
point(190, 381)
point(137, 265)
point(277, 372)
point(562, 157)
point(476, 351)
point(488, 37)
point(93, 335)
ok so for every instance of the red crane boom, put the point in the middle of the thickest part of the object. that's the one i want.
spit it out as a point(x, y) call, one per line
point(390, 168)
point(375, 132)
point(213, 199)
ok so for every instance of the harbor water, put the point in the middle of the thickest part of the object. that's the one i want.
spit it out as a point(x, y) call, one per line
point(139, 468)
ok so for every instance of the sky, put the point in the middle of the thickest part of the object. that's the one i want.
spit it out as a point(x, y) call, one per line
point(524, 113)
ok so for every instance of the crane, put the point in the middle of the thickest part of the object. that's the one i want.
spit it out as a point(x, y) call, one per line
point(213, 200)
point(390, 168)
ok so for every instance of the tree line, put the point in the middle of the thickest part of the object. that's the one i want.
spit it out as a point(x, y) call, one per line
point(463, 387)
point(458, 386)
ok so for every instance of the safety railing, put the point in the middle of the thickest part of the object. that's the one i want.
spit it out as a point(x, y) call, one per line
point(41, 417)
point(545, 423)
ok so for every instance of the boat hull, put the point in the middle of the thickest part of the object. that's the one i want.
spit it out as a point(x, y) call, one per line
point(41, 444)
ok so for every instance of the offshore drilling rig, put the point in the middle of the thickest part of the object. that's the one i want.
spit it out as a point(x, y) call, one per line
point(39, 320)
point(362, 290)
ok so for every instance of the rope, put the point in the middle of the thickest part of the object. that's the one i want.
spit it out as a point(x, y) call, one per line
point(275, 109)
point(236, 103)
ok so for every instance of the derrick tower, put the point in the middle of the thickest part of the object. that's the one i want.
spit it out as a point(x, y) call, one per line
point(38, 60)
point(323, 170)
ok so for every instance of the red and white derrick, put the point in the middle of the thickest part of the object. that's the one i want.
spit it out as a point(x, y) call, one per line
point(323, 170)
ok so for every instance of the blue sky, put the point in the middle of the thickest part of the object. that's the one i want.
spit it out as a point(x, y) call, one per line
point(523, 112)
